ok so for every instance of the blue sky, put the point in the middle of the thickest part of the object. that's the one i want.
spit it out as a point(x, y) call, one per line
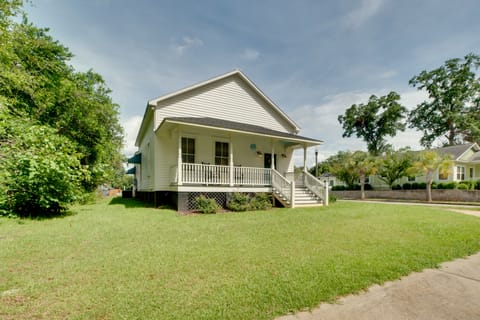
point(314, 59)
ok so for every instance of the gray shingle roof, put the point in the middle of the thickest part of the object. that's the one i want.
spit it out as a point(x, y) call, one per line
point(245, 127)
point(454, 151)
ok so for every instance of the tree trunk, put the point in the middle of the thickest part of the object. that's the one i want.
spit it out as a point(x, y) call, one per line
point(362, 187)
point(429, 191)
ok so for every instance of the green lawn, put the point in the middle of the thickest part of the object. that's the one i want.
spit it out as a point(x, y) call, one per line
point(119, 260)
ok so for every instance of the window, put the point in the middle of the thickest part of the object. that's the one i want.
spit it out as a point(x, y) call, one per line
point(460, 173)
point(471, 173)
point(442, 176)
point(411, 179)
point(188, 150)
point(221, 153)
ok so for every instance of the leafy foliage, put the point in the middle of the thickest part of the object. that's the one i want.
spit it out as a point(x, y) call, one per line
point(379, 118)
point(238, 202)
point(394, 165)
point(38, 86)
point(206, 205)
point(453, 108)
point(427, 163)
point(41, 170)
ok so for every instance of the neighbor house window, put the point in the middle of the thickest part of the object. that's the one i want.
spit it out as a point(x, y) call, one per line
point(188, 150)
point(442, 176)
point(411, 179)
point(221, 153)
point(460, 173)
point(471, 173)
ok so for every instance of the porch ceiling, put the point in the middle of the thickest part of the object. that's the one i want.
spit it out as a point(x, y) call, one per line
point(244, 128)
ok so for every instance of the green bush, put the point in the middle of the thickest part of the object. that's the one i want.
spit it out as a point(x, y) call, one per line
point(415, 186)
point(477, 185)
point(206, 205)
point(338, 188)
point(368, 186)
point(261, 201)
point(422, 185)
point(433, 186)
point(463, 186)
point(450, 185)
point(40, 171)
point(469, 183)
point(407, 186)
point(238, 202)
point(396, 187)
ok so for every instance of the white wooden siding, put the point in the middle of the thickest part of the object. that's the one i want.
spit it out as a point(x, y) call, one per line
point(229, 99)
point(147, 169)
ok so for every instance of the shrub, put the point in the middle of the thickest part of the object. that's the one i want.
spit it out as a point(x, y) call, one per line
point(433, 186)
point(368, 186)
point(423, 185)
point(441, 185)
point(396, 187)
point(332, 198)
point(338, 188)
point(40, 171)
point(206, 205)
point(450, 185)
point(407, 186)
point(463, 186)
point(238, 202)
point(477, 185)
point(261, 201)
point(415, 186)
point(469, 183)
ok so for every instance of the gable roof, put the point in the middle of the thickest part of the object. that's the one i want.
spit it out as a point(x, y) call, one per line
point(239, 127)
point(233, 73)
point(458, 151)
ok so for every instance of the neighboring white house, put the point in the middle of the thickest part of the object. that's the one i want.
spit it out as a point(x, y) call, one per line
point(217, 137)
point(466, 166)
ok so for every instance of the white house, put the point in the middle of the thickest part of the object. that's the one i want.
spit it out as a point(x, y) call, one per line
point(465, 166)
point(217, 137)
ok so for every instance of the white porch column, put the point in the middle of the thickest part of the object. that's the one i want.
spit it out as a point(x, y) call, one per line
point(231, 162)
point(179, 158)
point(305, 158)
point(272, 165)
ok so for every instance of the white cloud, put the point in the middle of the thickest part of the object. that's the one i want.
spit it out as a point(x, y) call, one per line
point(185, 44)
point(131, 127)
point(250, 54)
point(366, 10)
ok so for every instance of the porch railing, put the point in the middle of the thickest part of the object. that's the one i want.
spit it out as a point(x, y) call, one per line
point(284, 187)
point(316, 186)
point(206, 174)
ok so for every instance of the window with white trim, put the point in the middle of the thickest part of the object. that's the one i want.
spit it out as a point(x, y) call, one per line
point(470, 173)
point(460, 173)
point(221, 153)
point(188, 150)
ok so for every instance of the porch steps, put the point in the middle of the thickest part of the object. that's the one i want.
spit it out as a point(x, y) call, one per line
point(303, 198)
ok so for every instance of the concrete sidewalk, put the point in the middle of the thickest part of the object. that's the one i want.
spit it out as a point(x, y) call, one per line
point(450, 292)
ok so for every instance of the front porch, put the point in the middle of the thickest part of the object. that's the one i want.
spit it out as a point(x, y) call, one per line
point(293, 189)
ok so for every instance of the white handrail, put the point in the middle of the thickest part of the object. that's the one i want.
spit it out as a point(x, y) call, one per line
point(316, 186)
point(206, 174)
point(284, 187)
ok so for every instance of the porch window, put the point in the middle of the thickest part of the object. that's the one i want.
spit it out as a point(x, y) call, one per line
point(460, 173)
point(221, 153)
point(188, 150)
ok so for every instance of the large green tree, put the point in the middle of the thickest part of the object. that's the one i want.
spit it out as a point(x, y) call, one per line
point(453, 108)
point(381, 117)
point(39, 88)
point(38, 83)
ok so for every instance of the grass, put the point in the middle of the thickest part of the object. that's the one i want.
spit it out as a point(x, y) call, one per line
point(119, 260)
